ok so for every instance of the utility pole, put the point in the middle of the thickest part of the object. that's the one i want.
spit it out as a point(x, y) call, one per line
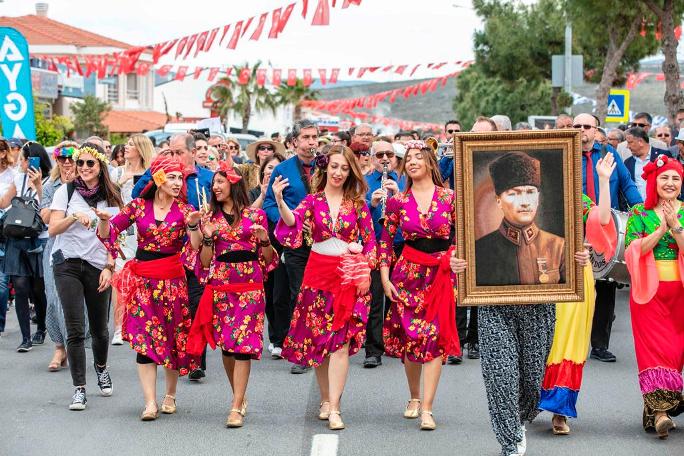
point(568, 62)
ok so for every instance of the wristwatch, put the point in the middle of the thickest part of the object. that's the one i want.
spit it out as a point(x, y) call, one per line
point(678, 230)
point(110, 266)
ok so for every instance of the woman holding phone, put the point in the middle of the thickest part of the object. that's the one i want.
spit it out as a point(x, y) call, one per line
point(24, 256)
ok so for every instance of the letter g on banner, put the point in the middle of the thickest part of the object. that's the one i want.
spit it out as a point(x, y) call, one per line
point(16, 100)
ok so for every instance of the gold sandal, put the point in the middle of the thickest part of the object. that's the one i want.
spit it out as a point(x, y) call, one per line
point(235, 423)
point(324, 414)
point(663, 425)
point(412, 413)
point(169, 409)
point(427, 425)
point(335, 425)
point(562, 428)
point(148, 415)
point(243, 409)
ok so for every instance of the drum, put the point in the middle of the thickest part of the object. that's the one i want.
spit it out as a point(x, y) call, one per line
point(613, 269)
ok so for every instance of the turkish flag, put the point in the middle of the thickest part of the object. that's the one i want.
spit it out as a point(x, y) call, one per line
point(257, 33)
point(307, 77)
point(210, 40)
point(322, 75)
point(322, 14)
point(143, 68)
point(188, 48)
point(291, 77)
point(333, 75)
point(275, 77)
point(164, 70)
point(236, 36)
point(198, 71)
point(261, 76)
point(213, 71)
point(223, 35)
point(180, 74)
point(245, 74)
point(200, 42)
point(181, 46)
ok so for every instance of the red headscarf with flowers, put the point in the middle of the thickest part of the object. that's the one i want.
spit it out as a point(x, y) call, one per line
point(651, 172)
point(228, 169)
point(160, 167)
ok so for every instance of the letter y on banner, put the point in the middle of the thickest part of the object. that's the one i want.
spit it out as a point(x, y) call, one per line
point(16, 99)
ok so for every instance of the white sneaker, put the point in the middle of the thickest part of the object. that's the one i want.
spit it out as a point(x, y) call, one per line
point(270, 348)
point(522, 445)
point(277, 353)
point(117, 339)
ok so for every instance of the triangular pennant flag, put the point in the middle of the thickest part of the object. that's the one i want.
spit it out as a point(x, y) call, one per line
point(291, 77)
point(275, 77)
point(333, 75)
point(400, 69)
point(180, 74)
point(307, 80)
point(414, 69)
point(246, 27)
point(361, 72)
point(213, 71)
point(387, 68)
point(225, 30)
point(322, 14)
point(351, 71)
point(322, 75)
point(210, 40)
point(236, 36)
point(200, 42)
point(257, 33)
point(181, 46)
point(188, 48)
point(305, 7)
point(198, 72)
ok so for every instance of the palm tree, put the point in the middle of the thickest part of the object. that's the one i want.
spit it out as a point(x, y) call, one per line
point(294, 95)
point(232, 97)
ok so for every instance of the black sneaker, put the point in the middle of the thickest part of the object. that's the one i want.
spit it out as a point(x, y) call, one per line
point(297, 369)
point(474, 351)
point(25, 346)
point(196, 375)
point(372, 361)
point(78, 402)
point(104, 381)
point(38, 338)
point(454, 359)
point(603, 355)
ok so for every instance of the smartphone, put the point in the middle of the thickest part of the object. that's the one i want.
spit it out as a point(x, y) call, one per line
point(34, 162)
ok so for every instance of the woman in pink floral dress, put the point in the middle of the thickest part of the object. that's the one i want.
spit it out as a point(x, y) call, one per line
point(329, 321)
point(156, 320)
point(235, 258)
point(420, 325)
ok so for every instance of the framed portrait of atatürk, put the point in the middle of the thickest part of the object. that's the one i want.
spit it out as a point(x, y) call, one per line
point(519, 216)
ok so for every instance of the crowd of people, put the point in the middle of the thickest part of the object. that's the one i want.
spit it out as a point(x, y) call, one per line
point(331, 243)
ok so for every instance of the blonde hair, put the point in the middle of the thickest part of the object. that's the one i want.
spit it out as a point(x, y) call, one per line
point(354, 187)
point(144, 147)
point(55, 173)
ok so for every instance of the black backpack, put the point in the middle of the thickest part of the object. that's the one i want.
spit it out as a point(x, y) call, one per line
point(22, 219)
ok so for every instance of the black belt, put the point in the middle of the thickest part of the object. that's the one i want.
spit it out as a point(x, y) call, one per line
point(146, 255)
point(430, 245)
point(237, 256)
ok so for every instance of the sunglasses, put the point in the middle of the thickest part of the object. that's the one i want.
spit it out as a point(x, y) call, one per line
point(232, 148)
point(584, 126)
point(64, 159)
point(639, 124)
point(211, 158)
point(266, 148)
point(379, 155)
point(451, 132)
point(90, 163)
point(365, 153)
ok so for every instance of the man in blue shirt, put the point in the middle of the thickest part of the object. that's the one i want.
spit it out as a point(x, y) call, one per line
point(298, 171)
point(620, 183)
point(382, 153)
point(197, 183)
point(446, 162)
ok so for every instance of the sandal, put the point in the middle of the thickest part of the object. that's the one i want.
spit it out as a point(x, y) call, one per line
point(663, 425)
point(412, 413)
point(148, 415)
point(243, 409)
point(427, 425)
point(560, 427)
point(58, 364)
point(335, 424)
point(235, 422)
point(324, 410)
point(169, 409)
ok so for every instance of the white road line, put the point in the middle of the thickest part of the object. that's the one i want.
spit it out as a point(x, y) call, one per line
point(324, 445)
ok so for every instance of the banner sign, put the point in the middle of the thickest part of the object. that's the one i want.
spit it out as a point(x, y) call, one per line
point(16, 100)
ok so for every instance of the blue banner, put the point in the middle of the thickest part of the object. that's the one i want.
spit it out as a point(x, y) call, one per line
point(16, 100)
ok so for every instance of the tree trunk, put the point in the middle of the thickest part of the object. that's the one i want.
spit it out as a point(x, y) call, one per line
point(554, 100)
point(246, 114)
point(613, 58)
point(673, 98)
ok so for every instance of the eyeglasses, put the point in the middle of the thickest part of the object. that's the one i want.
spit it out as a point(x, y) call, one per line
point(170, 152)
point(663, 135)
point(584, 126)
point(451, 132)
point(64, 159)
point(379, 155)
point(364, 135)
point(90, 163)
point(270, 148)
point(640, 124)
point(365, 153)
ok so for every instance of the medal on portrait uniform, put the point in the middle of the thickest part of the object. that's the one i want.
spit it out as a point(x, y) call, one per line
point(543, 270)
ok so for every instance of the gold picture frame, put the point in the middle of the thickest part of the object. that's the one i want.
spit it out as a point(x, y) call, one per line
point(511, 252)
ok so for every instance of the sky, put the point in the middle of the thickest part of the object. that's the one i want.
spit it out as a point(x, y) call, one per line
point(376, 33)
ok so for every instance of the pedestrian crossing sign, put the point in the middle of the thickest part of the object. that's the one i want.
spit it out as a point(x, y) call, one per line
point(618, 106)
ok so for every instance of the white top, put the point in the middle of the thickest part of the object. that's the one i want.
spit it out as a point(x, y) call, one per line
point(78, 241)
point(332, 247)
point(638, 171)
point(6, 180)
point(29, 193)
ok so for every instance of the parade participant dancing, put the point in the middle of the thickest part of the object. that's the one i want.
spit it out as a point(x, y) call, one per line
point(329, 321)
point(655, 242)
point(236, 256)
point(420, 327)
point(153, 286)
point(565, 364)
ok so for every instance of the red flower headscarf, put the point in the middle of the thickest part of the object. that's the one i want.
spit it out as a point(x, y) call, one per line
point(651, 172)
point(227, 169)
point(160, 167)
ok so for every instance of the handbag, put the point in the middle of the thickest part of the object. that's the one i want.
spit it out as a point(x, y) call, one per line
point(22, 219)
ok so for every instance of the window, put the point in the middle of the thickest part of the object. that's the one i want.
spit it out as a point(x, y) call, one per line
point(132, 92)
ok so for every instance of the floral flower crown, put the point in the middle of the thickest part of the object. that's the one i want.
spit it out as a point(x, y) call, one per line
point(66, 151)
point(92, 151)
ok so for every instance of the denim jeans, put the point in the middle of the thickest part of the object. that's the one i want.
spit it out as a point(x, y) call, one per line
point(4, 297)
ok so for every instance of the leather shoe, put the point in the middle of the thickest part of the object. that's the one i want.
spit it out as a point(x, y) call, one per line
point(474, 351)
point(196, 375)
point(372, 361)
point(454, 359)
point(297, 369)
point(603, 355)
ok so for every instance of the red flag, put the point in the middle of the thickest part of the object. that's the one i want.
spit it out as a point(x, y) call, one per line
point(387, 68)
point(198, 71)
point(261, 76)
point(91, 65)
point(322, 14)
point(351, 71)
point(244, 29)
point(143, 68)
point(188, 48)
point(322, 75)
point(210, 40)
point(156, 51)
point(279, 20)
point(305, 7)
point(200, 42)
point(333, 75)
point(260, 27)
point(164, 70)
point(350, 2)
point(361, 72)
point(400, 69)
point(225, 30)
point(52, 66)
point(414, 69)
point(291, 77)
point(275, 78)
point(236, 36)
point(275, 18)
point(181, 46)
point(439, 65)
point(244, 76)
point(307, 77)
point(229, 70)
point(213, 71)
point(180, 74)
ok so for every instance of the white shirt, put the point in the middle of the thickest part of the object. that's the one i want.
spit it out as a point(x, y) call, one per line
point(638, 170)
point(29, 193)
point(625, 153)
point(78, 241)
point(6, 180)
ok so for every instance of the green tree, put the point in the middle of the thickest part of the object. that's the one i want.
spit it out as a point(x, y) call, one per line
point(294, 95)
point(232, 97)
point(50, 132)
point(88, 115)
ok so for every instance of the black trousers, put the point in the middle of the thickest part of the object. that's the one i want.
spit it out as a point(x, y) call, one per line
point(376, 317)
point(295, 263)
point(195, 291)
point(77, 282)
point(603, 314)
point(25, 287)
point(278, 310)
point(467, 330)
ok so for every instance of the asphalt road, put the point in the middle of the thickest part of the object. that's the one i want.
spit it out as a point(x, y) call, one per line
point(281, 420)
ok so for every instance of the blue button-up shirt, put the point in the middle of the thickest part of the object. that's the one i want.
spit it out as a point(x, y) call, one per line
point(446, 169)
point(620, 180)
point(293, 194)
point(374, 179)
point(201, 176)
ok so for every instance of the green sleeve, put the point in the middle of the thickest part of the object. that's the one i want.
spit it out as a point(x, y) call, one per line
point(636, 228)
point(587, 204)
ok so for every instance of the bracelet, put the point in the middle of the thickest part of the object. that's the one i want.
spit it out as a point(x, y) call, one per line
point(110, 267)
point(194, 227)
point(678, 230)
point(207, 241)
point(266, 243)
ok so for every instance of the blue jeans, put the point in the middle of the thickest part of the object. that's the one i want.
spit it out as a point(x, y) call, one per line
point(4, 297)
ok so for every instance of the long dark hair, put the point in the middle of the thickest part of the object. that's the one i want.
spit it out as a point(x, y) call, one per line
point(110, 191)
point(34, 149)
point(267, 160)
point(238, 194)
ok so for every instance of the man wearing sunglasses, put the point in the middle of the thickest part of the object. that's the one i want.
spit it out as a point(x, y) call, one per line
point(382, 153)
point(642, 154)
point(620, 183)
point(644, 121)
point(664, 133)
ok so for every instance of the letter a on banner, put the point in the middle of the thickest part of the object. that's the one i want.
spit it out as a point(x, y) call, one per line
point(16, 99)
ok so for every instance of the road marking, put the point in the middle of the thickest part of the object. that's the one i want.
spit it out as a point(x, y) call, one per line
point(324, 445)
